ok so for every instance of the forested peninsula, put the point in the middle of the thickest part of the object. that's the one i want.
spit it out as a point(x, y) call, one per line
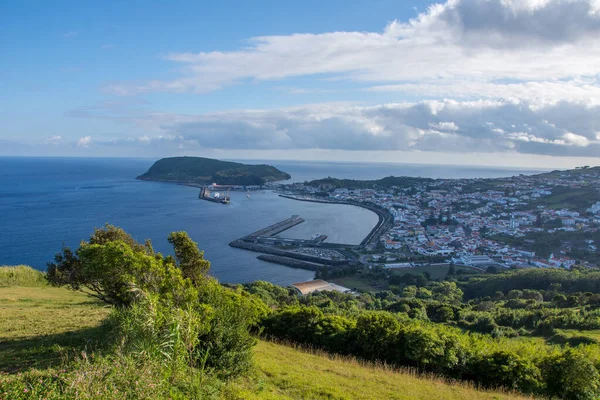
point(203, 171)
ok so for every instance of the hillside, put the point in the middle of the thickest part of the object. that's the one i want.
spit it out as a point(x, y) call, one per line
point(40, 356)
point(200, 171)
point(387, 182)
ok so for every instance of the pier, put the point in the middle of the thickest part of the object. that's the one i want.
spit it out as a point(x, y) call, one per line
point(277, 228)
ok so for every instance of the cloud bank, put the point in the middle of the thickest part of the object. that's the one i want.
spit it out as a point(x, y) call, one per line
point(562, 129)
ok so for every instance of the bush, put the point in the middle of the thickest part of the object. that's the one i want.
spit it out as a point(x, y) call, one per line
point(112, 266)
point(168, 309)
point(375, 335)
point(571, 375)
point(227, 345)
point(506, 369)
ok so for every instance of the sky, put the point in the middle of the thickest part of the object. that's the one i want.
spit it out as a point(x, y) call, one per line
point(476, 82)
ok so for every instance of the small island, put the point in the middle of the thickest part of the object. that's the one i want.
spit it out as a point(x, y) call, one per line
point(200, 171)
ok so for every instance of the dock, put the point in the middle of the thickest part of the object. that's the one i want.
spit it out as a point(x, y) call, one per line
point(277, 228)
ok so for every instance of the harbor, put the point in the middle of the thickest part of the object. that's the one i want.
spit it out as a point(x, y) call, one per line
point(310, 253)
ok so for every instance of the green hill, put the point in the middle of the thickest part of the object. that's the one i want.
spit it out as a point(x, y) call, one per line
point(51, 347)
point(387, 182)
point(201, 171)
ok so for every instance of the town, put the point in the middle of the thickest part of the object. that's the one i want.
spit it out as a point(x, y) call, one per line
point(548, 220)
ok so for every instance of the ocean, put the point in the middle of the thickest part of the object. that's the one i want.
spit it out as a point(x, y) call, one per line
point(47, 203)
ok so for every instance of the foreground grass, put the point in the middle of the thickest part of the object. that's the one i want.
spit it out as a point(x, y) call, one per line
point(50, 347)
point(40, 326)
point(284, 372)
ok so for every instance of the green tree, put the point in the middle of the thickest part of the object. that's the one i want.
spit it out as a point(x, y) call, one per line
point(189, 258)
point(113, 267)
point(440, 313)
point(409, 291)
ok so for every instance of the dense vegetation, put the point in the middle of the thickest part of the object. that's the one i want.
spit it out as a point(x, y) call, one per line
point(493, 339)
point(45, 333)
point(199, 170)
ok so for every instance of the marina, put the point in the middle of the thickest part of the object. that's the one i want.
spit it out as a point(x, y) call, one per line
point(314, 252)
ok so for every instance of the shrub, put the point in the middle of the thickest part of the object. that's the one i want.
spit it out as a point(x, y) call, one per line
point(375, 335)
point(112, 266)
point(509, 370)
point(571, 375)
point(227, 345)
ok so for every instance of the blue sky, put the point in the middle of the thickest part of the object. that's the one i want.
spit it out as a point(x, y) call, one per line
point(473, 81)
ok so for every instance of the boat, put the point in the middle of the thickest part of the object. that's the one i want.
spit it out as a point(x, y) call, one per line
point(217, 197)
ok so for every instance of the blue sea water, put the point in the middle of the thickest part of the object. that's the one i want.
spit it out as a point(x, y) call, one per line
point(46, 203)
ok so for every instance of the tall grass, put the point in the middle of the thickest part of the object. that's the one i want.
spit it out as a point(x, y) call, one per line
point(21, 275)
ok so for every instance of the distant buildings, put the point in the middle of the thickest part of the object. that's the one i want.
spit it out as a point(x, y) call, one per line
point(476, 261)
point(595, 209)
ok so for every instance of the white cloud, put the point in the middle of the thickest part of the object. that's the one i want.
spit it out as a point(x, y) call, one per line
point(479, 42)
point(444, 126)
point(84, 141)
point(543, 93)
point(70, 34)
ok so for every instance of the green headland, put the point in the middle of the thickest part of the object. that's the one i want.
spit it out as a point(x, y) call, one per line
point(202, 171)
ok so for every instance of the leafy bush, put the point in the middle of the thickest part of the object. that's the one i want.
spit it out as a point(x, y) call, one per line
point(112, 266)
point(571, 375)
point(169, 309)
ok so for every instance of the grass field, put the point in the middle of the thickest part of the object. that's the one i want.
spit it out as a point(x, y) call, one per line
point(39, 326)
point(45, 327)
point(283, 372)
